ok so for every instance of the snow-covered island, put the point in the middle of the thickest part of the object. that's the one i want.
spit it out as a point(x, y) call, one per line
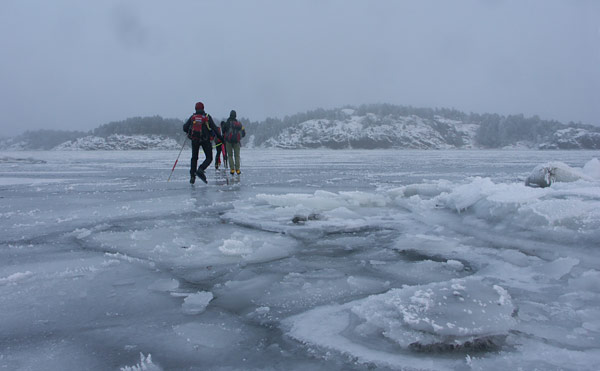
point(375, 131)
point(119, 142)
point(364, 127)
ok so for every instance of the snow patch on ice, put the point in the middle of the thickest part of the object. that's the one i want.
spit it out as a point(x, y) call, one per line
point(366, 284)
point(423, 190)
point(15, 278)
point(129, 259)
point(466, 195)
point(196, 303)
point(81, 233)
point(592, 168)
point(545, 175)
point(268, 251)
point(235, 247)
point(145, 364)
point(324, 200)
point(255, 250)
point(570, 211)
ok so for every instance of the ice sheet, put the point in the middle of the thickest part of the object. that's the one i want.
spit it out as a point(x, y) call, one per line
point(321, 260)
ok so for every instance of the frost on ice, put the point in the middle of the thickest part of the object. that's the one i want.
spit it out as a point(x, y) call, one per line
point(145, 364)
point(443, 316)
point(461, 314)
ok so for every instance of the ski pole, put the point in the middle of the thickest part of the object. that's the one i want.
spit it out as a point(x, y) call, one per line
point(181, 150)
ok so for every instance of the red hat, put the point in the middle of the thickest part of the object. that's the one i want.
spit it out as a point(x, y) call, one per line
point(199, 106)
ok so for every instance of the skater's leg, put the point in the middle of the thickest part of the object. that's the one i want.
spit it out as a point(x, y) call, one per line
point(207, 148)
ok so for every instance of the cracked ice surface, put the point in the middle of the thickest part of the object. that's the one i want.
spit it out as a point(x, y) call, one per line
point(321, 260)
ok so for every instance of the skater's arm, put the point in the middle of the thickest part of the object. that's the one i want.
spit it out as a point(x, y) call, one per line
point(213, 127)
point(187, 126)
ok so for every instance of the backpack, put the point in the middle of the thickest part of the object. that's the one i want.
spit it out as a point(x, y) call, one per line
point(198, 121)
point(234, 132)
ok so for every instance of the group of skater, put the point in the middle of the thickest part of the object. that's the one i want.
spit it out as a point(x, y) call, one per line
point(202, 131)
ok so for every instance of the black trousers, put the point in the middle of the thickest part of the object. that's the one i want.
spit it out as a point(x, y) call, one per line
point(207, 148)
point(221, 149)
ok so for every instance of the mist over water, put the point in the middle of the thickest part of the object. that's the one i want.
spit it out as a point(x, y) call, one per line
point(84, 66)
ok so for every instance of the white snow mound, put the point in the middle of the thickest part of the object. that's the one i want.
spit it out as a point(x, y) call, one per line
point(545, 175)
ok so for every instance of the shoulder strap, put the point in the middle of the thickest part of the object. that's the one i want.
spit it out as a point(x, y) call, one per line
point(207, 121)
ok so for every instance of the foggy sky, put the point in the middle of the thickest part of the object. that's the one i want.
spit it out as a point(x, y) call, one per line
point(74, 65)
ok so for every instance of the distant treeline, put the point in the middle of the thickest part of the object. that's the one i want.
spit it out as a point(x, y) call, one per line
point(494, 131)
point(154, 125)
point(46, 139)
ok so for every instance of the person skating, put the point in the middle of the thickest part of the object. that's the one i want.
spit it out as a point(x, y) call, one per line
point(220, 145)
point(224, 146)
point(233, 132)
point(199, 128)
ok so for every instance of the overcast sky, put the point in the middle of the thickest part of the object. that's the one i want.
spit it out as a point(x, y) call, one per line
point(75, 64)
